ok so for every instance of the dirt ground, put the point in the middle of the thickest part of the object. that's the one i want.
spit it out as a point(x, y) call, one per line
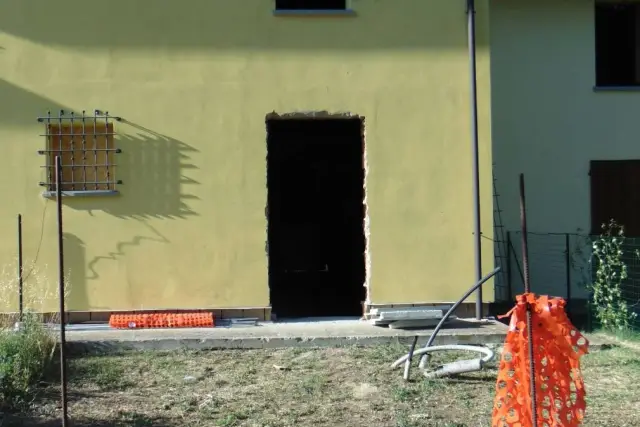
point(291, 387)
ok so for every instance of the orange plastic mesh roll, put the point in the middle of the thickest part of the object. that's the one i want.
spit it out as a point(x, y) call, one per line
point(161, 320)
point(558, 346)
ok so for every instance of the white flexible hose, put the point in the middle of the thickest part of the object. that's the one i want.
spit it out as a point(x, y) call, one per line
point(451, 368)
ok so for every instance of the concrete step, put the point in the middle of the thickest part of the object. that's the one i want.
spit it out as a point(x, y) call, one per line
point(309, 334)
point(277, 335)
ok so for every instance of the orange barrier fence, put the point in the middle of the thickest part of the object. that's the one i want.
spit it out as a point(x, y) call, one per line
point(558, 346)
point(161, 320)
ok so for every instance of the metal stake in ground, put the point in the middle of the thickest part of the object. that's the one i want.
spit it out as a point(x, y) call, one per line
point(527, 289)
point(63, 340)
point(20, 271)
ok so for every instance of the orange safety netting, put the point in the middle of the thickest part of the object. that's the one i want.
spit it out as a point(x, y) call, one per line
point(558, 346)
point(161, 320)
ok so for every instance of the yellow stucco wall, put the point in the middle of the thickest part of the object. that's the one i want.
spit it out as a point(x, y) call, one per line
point(194, 80)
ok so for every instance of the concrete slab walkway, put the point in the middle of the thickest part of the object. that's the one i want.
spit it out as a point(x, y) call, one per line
point(298, 333)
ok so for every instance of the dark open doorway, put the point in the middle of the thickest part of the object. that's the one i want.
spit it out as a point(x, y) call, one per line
point(316, 241)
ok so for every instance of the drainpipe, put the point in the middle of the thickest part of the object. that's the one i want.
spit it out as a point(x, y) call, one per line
point(471, 29)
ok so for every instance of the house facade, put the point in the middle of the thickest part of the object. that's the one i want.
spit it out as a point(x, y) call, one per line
point(565, 82)
point(225, 155)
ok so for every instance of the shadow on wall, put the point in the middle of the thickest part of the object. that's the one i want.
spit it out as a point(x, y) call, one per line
point(224, 24)
point(121, 247)
point(75, 264)
point(151, 166)
point(20, 108)
point(153, 170)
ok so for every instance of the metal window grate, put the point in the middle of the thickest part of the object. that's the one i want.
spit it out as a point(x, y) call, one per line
point(85, 144)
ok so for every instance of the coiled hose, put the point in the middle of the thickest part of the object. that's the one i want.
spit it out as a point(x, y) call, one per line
point(457, 367)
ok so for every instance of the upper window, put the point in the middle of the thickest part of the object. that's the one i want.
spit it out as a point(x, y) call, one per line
point(617, 44)
point(614, 195)
point(86, 149)
point(311, 4)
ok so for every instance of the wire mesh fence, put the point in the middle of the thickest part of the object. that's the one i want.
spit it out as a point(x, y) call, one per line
point(561, 265)
point(631, 286)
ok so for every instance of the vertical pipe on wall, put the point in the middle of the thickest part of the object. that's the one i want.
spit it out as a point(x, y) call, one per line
point(61, 296)
point(471, 30)
point(20, 272)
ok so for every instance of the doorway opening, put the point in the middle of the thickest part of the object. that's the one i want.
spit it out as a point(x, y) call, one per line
point(315, 212)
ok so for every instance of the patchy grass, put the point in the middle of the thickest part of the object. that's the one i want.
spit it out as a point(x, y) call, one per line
point(626, 338)
point(296, 387)
point(622, 334)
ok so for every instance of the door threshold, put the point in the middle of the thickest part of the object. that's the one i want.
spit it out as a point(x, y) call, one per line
point(317, 319)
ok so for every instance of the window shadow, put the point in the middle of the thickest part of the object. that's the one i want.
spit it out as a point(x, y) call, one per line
point(154, 170)
point(247, 24)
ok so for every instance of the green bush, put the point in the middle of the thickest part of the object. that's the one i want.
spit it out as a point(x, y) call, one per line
point(611, 273)
point(25, 356)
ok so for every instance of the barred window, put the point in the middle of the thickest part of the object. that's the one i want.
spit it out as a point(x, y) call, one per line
point(85, 145)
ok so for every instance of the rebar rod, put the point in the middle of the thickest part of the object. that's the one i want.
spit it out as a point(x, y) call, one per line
point(527, 289)
point(20, 272)
point(61, 296)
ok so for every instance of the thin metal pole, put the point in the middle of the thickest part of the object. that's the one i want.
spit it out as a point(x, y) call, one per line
point(527, 289)
point(567, 243)
point(20, 272)
point(525, 242)
point(63, 339)
point(509, 271)
point(471, 16)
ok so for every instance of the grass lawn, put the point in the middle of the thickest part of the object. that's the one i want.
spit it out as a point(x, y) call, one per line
point(301, 387)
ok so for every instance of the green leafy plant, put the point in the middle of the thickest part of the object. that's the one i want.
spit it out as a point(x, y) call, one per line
point(27, 346)
point(25, 356)
point(611, 310)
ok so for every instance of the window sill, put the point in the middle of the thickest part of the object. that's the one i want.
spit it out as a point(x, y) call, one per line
point(82, 193)
point(616, 88)
point(315, 12)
